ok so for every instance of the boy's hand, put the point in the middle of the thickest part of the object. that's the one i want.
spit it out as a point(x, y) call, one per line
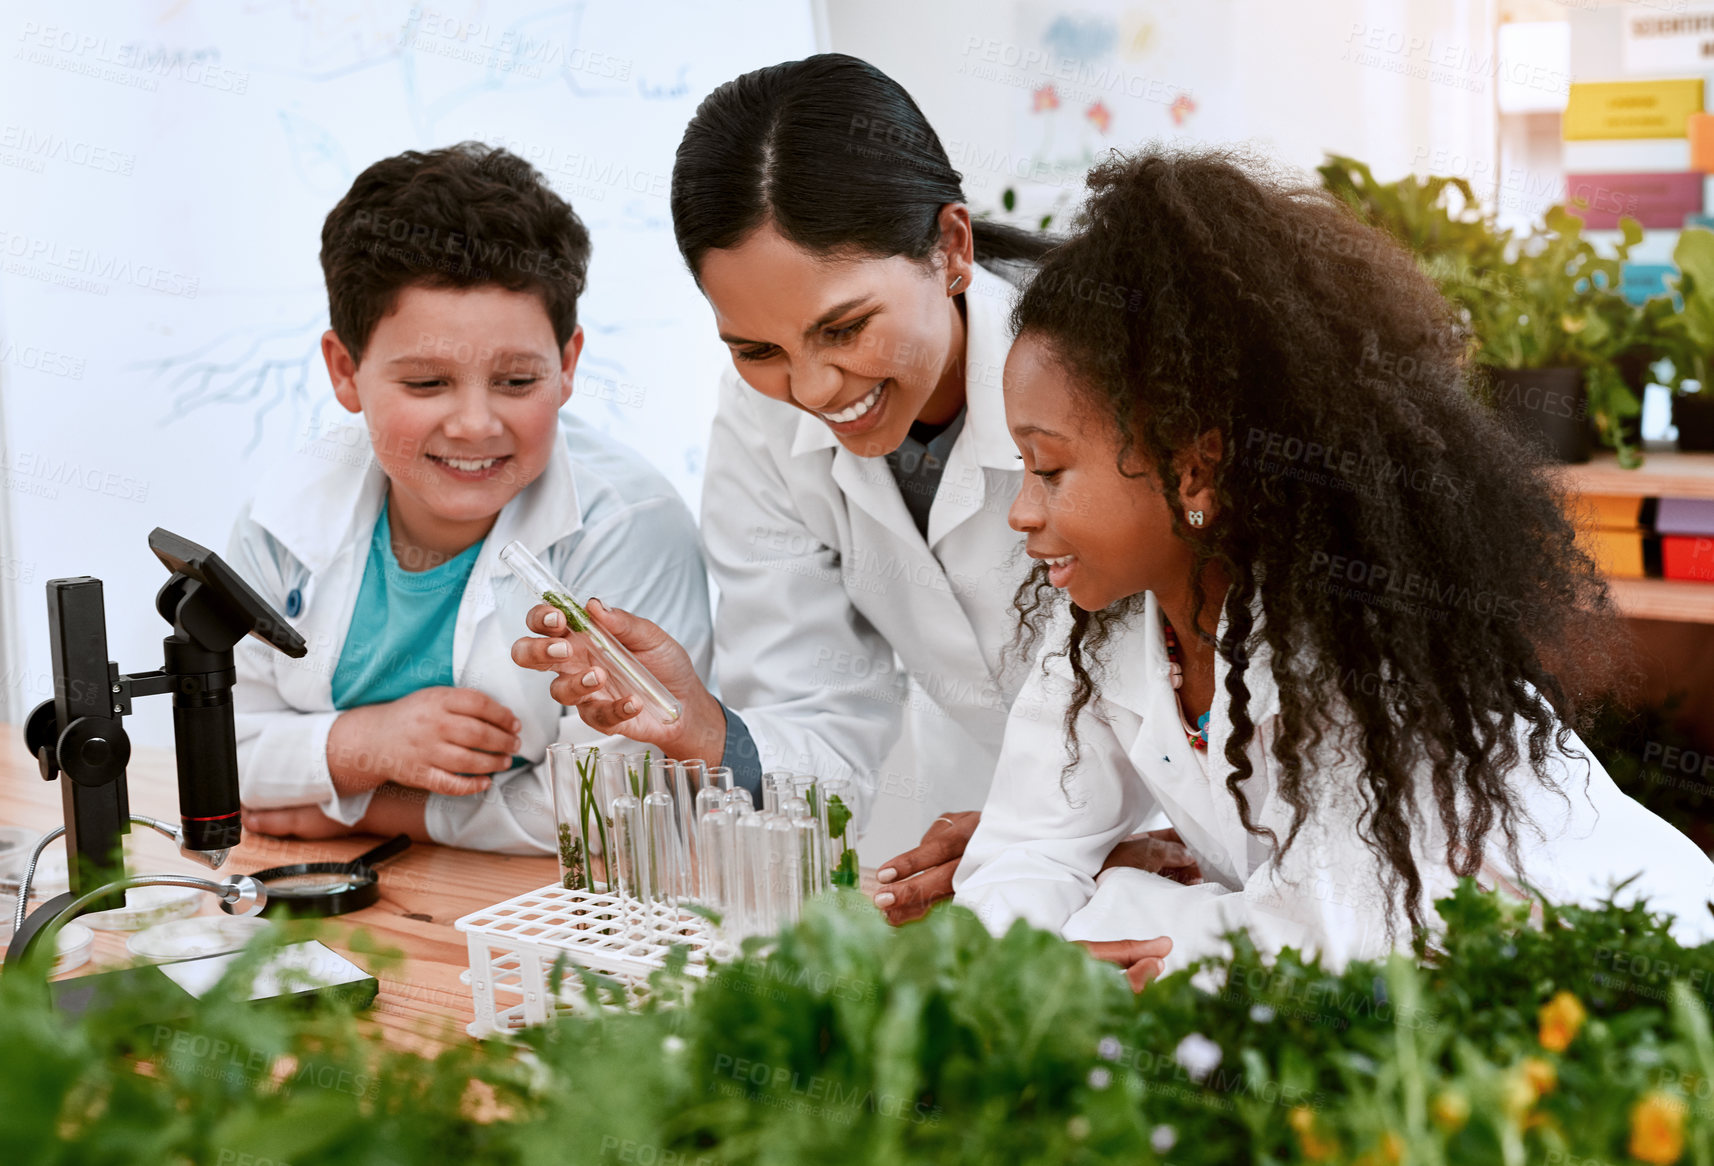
point(582, 682)
point(444, 740)
point(1142, 959)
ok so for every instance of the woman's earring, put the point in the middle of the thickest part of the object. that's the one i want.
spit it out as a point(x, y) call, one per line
point(957, 282)
point(1195, 517)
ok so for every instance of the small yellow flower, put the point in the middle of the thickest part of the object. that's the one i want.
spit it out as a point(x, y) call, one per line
point(1561, 1019)
point(1657, 1129)
point(1315, 1147)
point(1541, 1075)
point(1451, 1110)
point(1390, 1152)
point(1517, 1095)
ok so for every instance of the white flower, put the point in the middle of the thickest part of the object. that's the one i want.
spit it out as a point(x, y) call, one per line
point(1109, 1048)
point(672, 1044)
point(1261, 1013)
point(1197, 1055)
point(1163, 1138)
point(1099, 1078)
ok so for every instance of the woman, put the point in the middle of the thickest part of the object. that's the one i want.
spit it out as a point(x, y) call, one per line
point(859, 470)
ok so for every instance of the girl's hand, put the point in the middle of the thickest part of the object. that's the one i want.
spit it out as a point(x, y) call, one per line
point(922, 876)
point(583, 682)
point(1161, 852)
point(1142, 959)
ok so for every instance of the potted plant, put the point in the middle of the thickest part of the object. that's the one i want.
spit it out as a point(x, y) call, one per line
point(1690, 332)
point(1551, 328)
point(1545, 315)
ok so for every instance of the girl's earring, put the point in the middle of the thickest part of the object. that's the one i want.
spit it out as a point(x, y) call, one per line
point(957, 282)
point(1195, 517)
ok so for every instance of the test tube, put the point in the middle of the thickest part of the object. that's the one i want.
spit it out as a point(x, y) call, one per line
point(626, 675)
point(771, 782)
point(579, 816)
point(784, 881)
point(835, 813)
point(704, 800)
point(812, 845)
point(691, 775)
point(714, 839)
point(752, 836)
point(664, 868)
point(628, 875)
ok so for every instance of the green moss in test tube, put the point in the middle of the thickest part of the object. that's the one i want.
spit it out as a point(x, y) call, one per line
point(575, 617)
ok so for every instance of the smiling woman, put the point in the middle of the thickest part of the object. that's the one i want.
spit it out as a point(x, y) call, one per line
point(859, 471)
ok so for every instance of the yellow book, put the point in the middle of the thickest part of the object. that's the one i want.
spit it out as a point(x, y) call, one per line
point(1618, 553)
point(1608, 511)
point(1630, 109)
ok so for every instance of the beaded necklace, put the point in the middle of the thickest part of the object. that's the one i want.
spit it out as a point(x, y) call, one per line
point(1197, 736)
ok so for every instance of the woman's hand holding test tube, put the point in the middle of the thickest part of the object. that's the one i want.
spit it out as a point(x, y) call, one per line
point(583, 682)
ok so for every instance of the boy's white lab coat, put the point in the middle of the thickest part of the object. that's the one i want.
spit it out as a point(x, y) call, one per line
point(1038, 849)
point(829, 598)
point(604, 521)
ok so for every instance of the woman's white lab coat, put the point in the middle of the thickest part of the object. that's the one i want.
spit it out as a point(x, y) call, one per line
point(604, 521)
point(1038, 849)
point(835, 617)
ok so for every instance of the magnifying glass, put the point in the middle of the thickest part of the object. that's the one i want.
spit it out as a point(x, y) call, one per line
point(317, 889)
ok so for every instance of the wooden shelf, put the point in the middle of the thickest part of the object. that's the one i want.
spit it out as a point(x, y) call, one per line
point(1665, 473)
point(1679, 600)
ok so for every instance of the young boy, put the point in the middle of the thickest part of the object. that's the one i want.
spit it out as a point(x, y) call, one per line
point(452, 282)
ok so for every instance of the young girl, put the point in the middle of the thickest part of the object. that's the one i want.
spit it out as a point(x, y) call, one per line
point(1324, 613)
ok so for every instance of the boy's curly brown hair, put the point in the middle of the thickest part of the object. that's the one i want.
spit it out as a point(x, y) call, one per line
point(1407, 561)
point(462, 216)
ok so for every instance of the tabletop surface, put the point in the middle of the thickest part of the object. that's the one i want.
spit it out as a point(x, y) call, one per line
point(421, 1003)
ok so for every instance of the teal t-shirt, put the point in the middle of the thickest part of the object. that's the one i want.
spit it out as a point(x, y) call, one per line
point(400, 637)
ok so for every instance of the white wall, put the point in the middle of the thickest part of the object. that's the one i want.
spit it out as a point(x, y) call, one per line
point(164, 172)
point(1402, 84)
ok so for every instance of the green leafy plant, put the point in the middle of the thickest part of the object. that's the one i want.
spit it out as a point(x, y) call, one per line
point(1582, 1034)
point(844, 873)
point(1543, 300)
point(1689, 331)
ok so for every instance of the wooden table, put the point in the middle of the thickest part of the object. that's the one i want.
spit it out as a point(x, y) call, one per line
point(421, 1003)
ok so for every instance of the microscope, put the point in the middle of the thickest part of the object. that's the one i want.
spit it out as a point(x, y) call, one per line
point(80, 735)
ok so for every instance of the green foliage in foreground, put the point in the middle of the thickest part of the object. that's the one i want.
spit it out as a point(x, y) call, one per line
point(935, 1043)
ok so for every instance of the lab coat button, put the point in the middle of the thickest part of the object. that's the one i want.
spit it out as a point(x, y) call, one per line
point(294, 604)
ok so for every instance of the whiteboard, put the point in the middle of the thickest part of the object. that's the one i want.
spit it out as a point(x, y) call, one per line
point(165, 168)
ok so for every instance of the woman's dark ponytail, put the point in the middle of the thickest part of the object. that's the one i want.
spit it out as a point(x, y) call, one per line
point(832, 151)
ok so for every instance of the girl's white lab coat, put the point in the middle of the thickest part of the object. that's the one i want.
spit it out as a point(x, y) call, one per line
point(599, 516)
point(1038, 849)
point(835, 617)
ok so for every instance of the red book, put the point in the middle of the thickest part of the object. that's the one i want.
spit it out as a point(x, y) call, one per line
point(1685, 557)
point(1654, 200)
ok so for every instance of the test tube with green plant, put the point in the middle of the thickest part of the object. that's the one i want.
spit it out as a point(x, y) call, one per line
point(582, 828)
point(835, 815)
point(626, 676)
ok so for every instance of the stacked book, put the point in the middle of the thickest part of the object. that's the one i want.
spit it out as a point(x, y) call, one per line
point(1637, 538)
point(1643, 150)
